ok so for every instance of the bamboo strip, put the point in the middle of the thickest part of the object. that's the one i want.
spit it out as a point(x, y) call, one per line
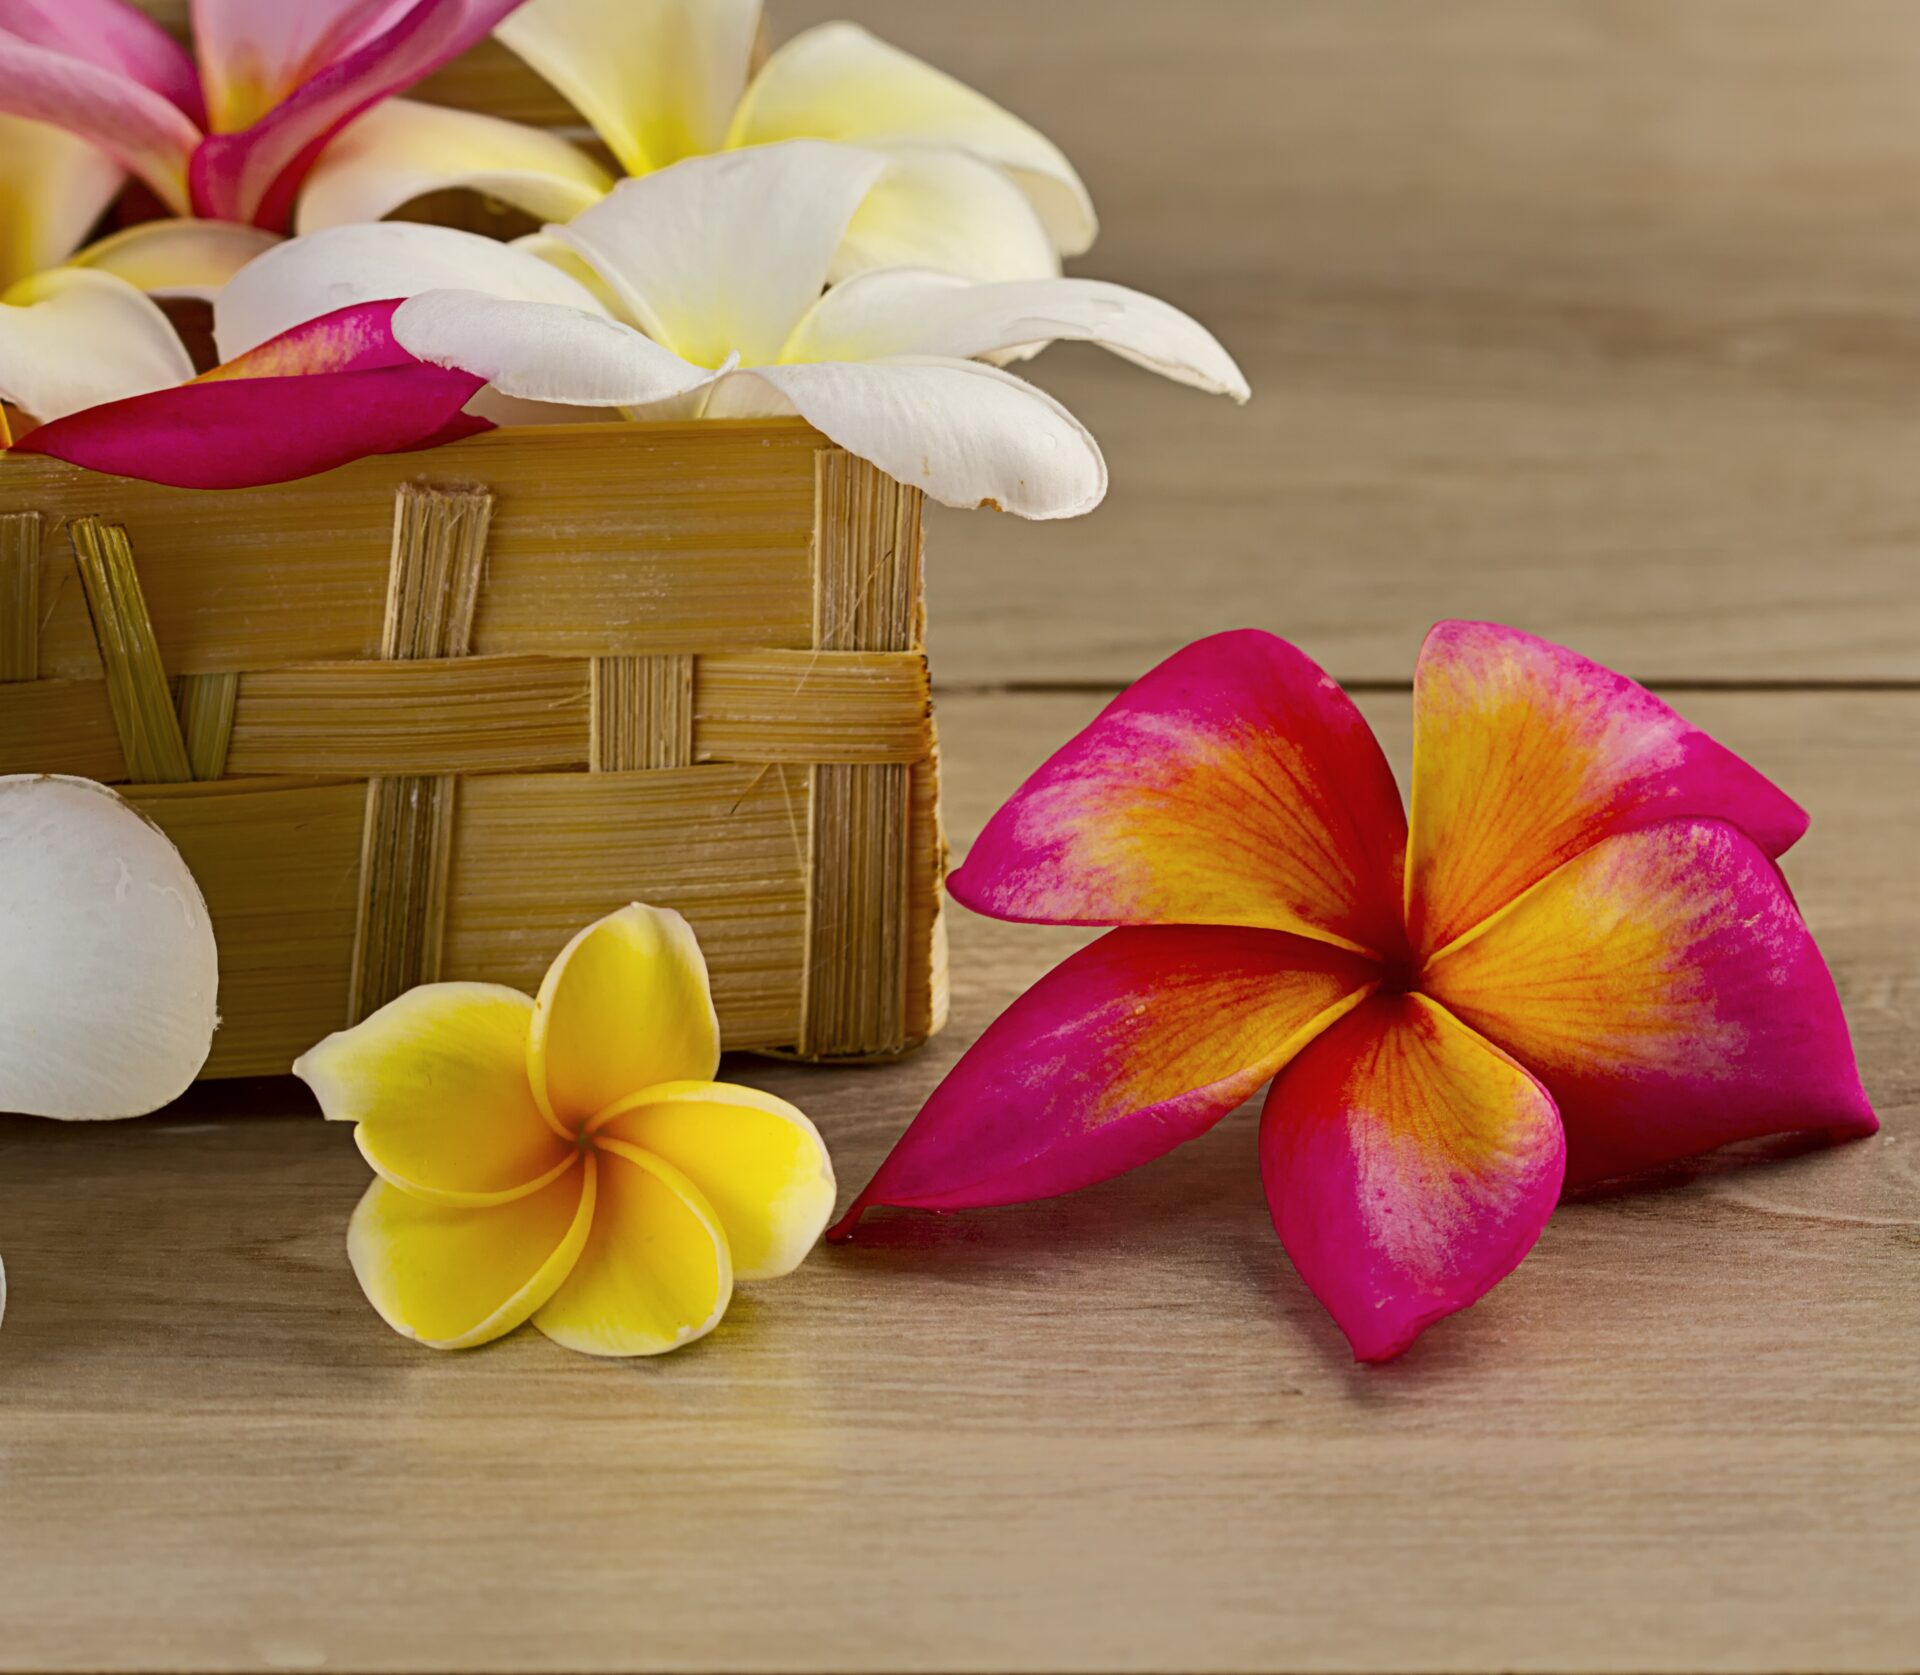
point(856, 989)
point(869, 548)
point(19, 596)
point(450, 715)
point(926, 949)
point(137, 685)
point(607, 541)
point(206, 707)
point(433, 582)
point(60, 726)
point(867, 706)
point(642, 713)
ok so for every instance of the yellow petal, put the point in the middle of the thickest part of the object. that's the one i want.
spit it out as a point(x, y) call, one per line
point(837, 82)
point(658, 79)
point(437, 1081)
point(625, 1008)
point(757, 1160)
point(655, 1273)
point(401, 150)
point(177, 258)
point(455, 1278)
point(53, 188)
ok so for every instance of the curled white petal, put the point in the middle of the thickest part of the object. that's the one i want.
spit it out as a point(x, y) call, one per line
point(108, 972)
point(543, 351)
point(918, 313)
point(72, 339)
point(177, 258)
point(344, 266)
point(838, 82)
point(402, 150)
point(969, 435)
point(951, 212)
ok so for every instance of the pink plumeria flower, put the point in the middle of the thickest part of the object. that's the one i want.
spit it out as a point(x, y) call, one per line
point(1577, 960)
point(234, 139)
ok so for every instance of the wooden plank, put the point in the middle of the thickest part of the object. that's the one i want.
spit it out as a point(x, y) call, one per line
point(1682, 1435)
point(607, 540)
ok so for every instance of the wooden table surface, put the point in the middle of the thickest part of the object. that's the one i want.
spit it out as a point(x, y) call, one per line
point(1601, 317)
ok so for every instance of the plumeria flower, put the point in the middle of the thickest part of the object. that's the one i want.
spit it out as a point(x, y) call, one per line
point(969, 189)
point(568, 1160)
point(328, 392)
point(700, 287)
point(1576, 960)
point(235, 139)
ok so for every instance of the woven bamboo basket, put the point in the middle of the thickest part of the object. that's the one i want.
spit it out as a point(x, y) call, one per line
point(426, 716)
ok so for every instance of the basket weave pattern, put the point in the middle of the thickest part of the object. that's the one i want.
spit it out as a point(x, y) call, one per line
point(426, 716)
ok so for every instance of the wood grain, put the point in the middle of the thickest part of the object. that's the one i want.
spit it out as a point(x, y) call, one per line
point(1596, 316)
point(1112, 1431)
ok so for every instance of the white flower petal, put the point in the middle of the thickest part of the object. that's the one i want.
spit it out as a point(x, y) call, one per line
point(70, 339)
point(53, 187)
point(342, 266)
point(837, 82)
point(724, 254)
point(658, 79)
point(879, 315)
point(108, 973)
point(401, 150)
point(946, 210)
point(970, 435)
point(177, 258)
point(541, 351)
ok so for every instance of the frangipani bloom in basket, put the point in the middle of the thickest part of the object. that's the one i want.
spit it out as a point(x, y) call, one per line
point(698, 291)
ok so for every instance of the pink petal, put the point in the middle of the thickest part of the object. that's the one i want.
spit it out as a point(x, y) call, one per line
point(1236, 784)
point(1665, 987)
point(137, 127)
point(1525, 754)
point(1409, 1166)
point(114, 36)
point(252, 55)
point(1134, 1045)
point(256, 174)
point(320, 396)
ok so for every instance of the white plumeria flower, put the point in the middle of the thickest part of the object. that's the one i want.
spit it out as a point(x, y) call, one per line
point(702, 285)
point(108, 971)
point(969, 187)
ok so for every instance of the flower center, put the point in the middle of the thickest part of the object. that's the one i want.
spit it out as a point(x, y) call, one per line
point(1399, 975)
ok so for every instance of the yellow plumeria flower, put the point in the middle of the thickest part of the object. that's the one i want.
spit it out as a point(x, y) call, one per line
point(568, 1160)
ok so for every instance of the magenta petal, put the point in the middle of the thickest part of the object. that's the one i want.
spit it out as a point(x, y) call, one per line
point(1235, 784)
point(1409, 1165)
point(1665, 987)
point(114, 36)
point(248, 432)
point(256, 175)
point(1134, 1045)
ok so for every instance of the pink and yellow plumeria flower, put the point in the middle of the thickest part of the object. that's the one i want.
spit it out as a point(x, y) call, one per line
point(1576, 960)
point(235, 138)
point(969, 189)
point(569, 1160)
